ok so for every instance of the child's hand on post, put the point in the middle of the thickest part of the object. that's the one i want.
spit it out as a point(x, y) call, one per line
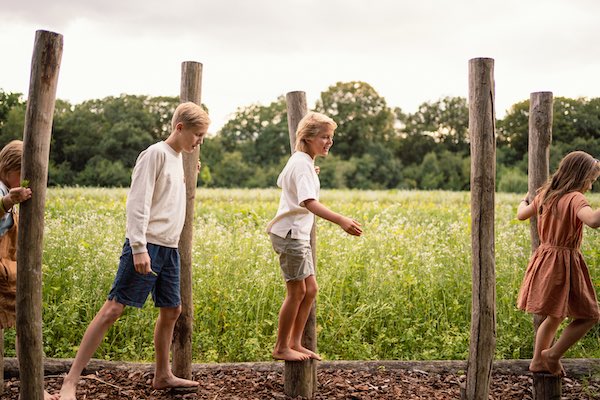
point(317, 169)
point(18, 195)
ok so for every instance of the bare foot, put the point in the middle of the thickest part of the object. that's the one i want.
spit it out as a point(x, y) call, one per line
point(290, 355)
point(172, 382)
point(311, 354)
point(48, 396)
point(553, 364)
point(537, 366)
point(68, 390)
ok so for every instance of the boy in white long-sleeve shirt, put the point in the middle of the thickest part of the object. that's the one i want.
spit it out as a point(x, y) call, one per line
point(149, 261)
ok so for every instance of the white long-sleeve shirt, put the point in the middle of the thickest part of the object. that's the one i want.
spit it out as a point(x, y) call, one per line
point(156, 201)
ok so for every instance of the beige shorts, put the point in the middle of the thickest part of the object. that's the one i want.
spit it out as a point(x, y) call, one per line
point(295, 257)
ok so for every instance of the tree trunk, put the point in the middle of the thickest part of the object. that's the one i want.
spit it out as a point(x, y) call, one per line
point(483, 178)
point(300, 377)
point(45, 66)
point(191, 83)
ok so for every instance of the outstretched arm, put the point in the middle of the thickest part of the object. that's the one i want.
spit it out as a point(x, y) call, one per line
point(589, 217)
point(349, 225)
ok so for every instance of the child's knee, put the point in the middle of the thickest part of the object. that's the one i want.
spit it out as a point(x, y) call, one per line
point(171, 313)
point(311, 291)
point(111, 313)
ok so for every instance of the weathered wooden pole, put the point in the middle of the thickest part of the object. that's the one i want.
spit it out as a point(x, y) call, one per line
point(191, 90)
point(300, 377)
point(545, 386)
point(45, 65)
point(482, 131)
point(1, 361)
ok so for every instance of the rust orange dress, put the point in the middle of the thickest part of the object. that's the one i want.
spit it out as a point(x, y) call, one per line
point(557, 281)
point(8, 275)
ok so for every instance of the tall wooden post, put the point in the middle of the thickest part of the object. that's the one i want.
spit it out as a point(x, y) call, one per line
point(545, 386)
point(300, 377)
point(482, 132)
point(45, 66)
point(1, 361)
point(191, 90)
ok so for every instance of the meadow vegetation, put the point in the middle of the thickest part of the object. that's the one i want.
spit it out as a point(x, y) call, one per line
point(402, 291)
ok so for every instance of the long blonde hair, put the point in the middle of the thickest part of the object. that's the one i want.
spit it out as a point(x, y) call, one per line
point(309, 127)
point(576, 171)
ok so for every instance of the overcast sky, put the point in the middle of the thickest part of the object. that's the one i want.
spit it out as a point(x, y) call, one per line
point(255, 50)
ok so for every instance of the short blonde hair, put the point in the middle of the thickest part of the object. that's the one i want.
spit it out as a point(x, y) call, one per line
point(190, 113)
point(11, 157)
point(310, 126)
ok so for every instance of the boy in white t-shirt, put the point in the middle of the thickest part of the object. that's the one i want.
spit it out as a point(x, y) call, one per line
point(149, 261)
point(290, 232)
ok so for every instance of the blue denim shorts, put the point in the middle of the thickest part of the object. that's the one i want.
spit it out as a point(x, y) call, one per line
point(132, 288)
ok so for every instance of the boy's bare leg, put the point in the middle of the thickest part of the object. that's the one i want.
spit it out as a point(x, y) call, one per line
point(163, 336)
point(287, 315)
point(543, 340)
point(302, 316)
point(94, 334)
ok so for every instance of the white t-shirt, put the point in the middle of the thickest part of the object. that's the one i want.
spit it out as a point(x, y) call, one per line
point(299, 182)
point(156, 201)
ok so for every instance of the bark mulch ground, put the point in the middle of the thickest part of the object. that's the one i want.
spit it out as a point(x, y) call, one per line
point(337, 380)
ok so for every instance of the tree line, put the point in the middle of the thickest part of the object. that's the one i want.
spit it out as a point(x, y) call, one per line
point(96, 142)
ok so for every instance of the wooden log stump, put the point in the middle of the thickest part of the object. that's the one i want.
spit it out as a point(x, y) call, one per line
point(547, 386)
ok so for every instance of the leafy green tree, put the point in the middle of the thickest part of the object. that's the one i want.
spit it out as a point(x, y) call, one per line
point(362, 115)
point(445, 120)
point(258, 132)
point(12, 113)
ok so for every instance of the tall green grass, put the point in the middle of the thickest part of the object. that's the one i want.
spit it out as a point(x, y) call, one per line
point(401, 291)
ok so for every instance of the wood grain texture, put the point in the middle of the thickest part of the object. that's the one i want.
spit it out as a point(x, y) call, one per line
point(191, 90)
point(45, 66)
point(482, 131)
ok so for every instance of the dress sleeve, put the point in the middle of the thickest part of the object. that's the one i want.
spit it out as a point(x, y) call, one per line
point(579, 201)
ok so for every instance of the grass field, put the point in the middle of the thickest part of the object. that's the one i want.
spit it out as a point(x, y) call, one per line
point(401, 291)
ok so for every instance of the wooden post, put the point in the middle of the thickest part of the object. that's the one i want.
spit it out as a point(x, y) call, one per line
point(300, 377)
point(483, 178)
point(1, 361)
point(191, 90)
point(45, 66)
point(545, 386)
point(540, 137)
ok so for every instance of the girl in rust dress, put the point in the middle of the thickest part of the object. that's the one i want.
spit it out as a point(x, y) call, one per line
point(557, 283)
point(11, 194)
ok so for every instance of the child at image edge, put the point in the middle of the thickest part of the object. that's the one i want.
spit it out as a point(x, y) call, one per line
point(290, 232)
point(557, 282)
point(11, 194)
point(149, 262)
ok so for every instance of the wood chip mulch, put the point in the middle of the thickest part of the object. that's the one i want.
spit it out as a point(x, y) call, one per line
point(246, 383)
